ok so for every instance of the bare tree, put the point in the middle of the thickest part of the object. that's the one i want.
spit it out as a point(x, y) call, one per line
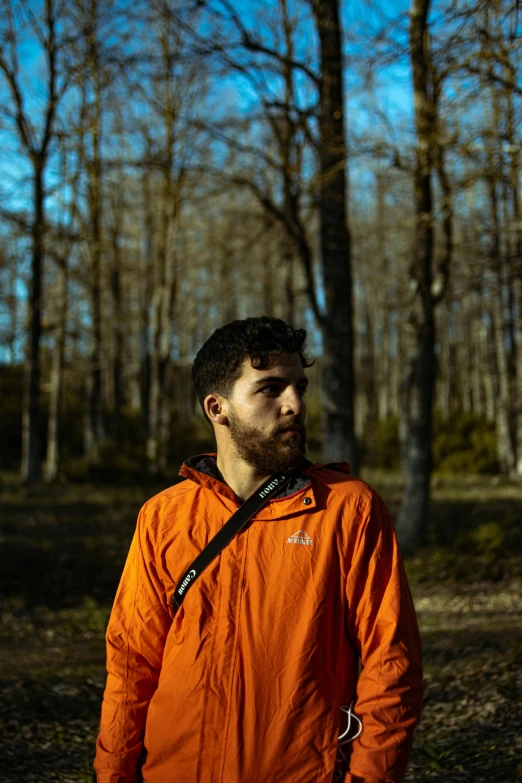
point(116, 239)
point(89, 17)
point(177, 86)
point(338, 380)
point(35, 140)
point(284, 195)
point(60, 296)
point(63, 241)
point(419, 380)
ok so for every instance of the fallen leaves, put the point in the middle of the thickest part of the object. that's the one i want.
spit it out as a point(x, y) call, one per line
point(64, 559)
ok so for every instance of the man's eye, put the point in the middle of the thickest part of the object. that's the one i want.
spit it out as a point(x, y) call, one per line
point(274, 389)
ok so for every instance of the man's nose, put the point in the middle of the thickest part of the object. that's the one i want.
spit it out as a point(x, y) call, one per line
point(292, 402)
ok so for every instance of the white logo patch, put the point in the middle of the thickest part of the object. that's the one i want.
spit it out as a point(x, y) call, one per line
point(300, 538)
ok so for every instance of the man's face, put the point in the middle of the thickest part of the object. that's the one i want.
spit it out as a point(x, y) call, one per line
point(266, 414)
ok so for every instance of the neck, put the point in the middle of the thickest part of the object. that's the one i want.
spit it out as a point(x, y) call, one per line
point(239, 475)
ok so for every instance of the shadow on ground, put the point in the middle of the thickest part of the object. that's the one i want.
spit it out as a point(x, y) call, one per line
point(63, 553)
point(472, 724)
point(58, 553)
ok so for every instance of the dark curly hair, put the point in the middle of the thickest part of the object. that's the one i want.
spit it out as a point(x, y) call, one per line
point(217, 365)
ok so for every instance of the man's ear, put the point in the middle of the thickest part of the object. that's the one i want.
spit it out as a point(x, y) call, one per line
point(215, 408)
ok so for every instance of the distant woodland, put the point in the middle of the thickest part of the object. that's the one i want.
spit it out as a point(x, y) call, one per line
point(167, 166)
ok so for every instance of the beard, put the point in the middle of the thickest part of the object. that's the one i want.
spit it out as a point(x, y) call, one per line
point(268, 454)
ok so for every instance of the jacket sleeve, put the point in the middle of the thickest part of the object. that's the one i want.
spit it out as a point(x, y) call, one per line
point(136, 634)
point(383, 626)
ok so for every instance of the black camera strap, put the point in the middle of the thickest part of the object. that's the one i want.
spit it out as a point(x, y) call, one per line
point(223, 537)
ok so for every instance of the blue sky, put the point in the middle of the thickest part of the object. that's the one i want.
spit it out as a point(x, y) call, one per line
point(392, 85)
point(392, 93)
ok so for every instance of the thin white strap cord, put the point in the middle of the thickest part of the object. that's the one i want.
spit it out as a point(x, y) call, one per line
point(344, 738)
point(351, 715)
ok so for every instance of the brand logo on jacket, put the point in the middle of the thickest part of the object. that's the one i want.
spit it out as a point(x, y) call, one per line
point(300, 538)
point(189, 577)
point(273, 484)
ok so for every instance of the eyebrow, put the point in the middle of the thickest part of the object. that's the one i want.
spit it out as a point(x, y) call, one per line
point(278, 379)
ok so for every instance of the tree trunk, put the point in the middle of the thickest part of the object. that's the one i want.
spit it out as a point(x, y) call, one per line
point(268, 286)
point(95, 424)
point(117, 322)
point(505, 449)
point(160, 373)
point(338, 336)
point(289, 262)
point(518, 379)
point(146, 293)
point(382, 365)
point(31, 457)
point(464, 356)
point(395, 369)
point(165, 415)
point(478, 369)
point(418, 382)
point(95, 417)
point(370, 362)
point(487, 356)
point(165, 279)
point(289, 156)
point(505, 445)
point(35, 144)
point(229, 293)
point(14, 314)
point(516, 216)
point(416, 399)
point(384, 376)
point(56, 385)
point(443, 391)
point(267, 264)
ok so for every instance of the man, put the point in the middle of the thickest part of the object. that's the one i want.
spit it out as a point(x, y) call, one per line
point(255, 677)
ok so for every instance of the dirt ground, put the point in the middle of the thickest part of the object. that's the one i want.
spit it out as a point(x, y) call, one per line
point(63, 551)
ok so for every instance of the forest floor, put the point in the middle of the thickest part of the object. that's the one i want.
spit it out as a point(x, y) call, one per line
point(62, 553)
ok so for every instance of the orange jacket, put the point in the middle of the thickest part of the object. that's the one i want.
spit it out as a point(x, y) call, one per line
point(246, 683)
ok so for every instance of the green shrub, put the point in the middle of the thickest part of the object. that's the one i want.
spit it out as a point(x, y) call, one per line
point(464, 443)
point(488, 540)
point(380, 445)
point(91, 617)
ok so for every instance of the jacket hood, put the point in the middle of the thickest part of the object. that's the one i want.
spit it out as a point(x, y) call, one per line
point(202, 469)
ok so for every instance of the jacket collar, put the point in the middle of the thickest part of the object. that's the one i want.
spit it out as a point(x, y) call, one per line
point(203, 470)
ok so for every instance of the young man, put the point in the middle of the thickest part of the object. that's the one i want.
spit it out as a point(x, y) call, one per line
point(255, 678)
